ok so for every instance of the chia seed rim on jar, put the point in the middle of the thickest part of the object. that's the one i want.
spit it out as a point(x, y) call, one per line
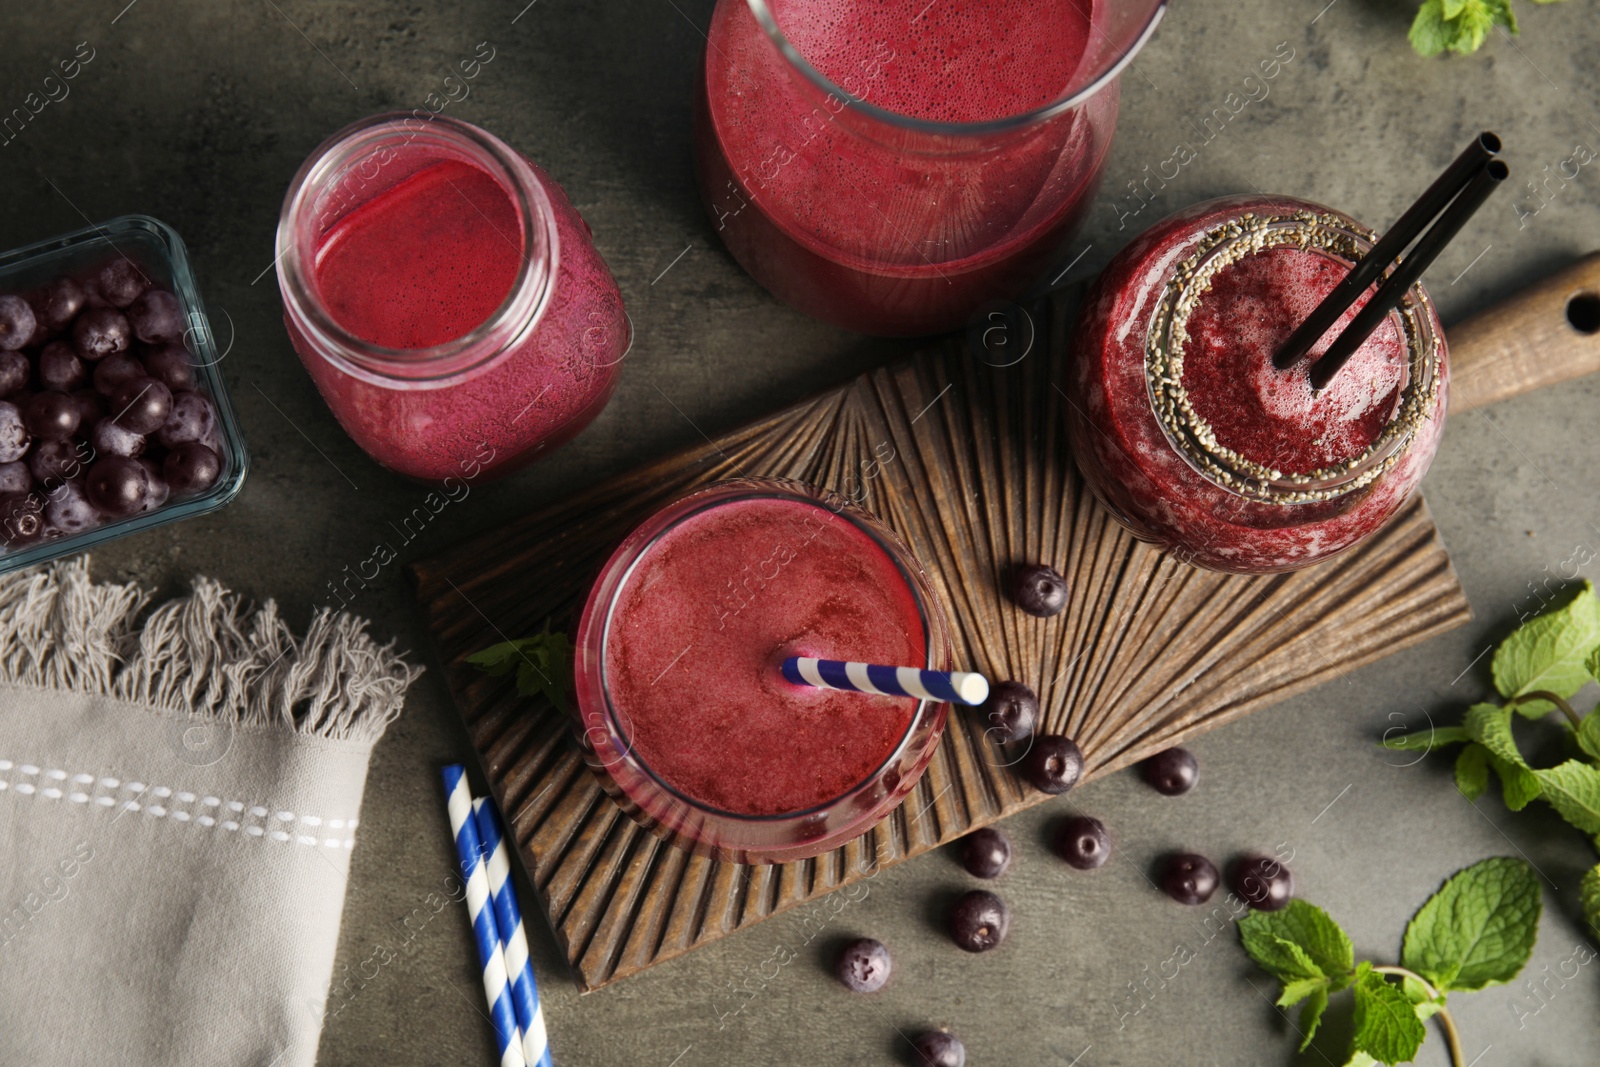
point(1192, 438)
point(374, 144)
point(703, 827)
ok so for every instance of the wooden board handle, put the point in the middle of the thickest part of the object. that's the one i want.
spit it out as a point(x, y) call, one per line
point(1546, 334)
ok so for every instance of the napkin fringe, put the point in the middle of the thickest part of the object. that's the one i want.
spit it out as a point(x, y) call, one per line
point(212, 655)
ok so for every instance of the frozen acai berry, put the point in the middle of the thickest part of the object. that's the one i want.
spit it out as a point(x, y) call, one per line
point(116, 485)
point(172, 366)
point(15, 370)
point(120, 283)
point(57, 461)
point(1171, 772)
point(190, 468)
point(1189, 878)
point(864, 965)
point(52, 416)
point(156, 489)
point(156, 317)
point(979, 921)
point(15, 478)
point(141, 404)
point(192, 419)
point(21, 519)
point(115, 371)
point(111, 438)
point(101, 332)
point(66, 509)
point(1083, 842)
point(986, 853)
point(60, 368)
point(56, 303)
point(16, 322)
point(1053, 764)
point(1039, 590)
point(1011, 710)
point(1262, 882)
point(14, 438)
point(939, 1048)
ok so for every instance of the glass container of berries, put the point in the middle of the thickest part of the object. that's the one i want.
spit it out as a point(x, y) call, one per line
point(113, 413)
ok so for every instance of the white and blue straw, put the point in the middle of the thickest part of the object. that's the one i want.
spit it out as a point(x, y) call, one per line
point(951, 687)
point(513, 938)
point(495, 985)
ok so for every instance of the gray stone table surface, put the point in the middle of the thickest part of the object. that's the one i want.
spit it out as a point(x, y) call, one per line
point(199, 111)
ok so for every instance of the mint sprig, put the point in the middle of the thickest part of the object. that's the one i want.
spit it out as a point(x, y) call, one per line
point(1478, 930)
point(542, 665)
point(1537, 669)
point(1460, 26)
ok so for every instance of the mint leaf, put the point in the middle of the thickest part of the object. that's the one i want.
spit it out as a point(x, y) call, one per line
point(1424, 740)
point(1425, 1006)
point(1573, 789)
point(1592, 664)
point(1429, 33)
point(1472, 771)
point(542, 664)
point(1490, 726)
point(1550, 652)
point(1477, 930)
point(1360, 1059)
point(1589, 894)
point(1387, 1027)
point(1589, 734)
point(1311, 1015)
point(1505, 16)
point(1307, 928)
point(1299, 989)
point(1452, 9)
point(1519, 787)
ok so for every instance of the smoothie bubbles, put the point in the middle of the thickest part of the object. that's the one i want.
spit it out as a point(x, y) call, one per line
point(446, 298)
point(890, 167)
point(1190, 435)
point(683, 708)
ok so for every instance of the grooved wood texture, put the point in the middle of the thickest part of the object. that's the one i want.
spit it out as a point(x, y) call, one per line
point(1149, 652)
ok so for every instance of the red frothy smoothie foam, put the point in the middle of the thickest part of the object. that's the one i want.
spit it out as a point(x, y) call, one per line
point(424, 262)
point(1264, 414)
point(699, 630)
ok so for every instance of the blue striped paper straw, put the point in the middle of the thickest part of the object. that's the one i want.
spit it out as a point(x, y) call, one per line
point(495, 986)
point(951, 687)
point(513, 937)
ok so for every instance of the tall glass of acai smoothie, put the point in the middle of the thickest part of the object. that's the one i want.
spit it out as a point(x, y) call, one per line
point(890, 166)
point(682, 708)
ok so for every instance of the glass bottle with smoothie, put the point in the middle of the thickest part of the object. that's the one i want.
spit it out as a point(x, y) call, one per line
point(682, 707)
point(446, 298)
point(1189, 435)
point(889, 167)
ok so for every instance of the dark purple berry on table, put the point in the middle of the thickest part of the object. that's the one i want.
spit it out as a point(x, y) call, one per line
point(1262, 882)
point(979, 921)
point(55, 304)
point(52, 416)
point(864, 965)
point(986, 853)
point(91, 406)
point(101, 332)
point(1083, 843)
point(1039, 590)
point(16, 322)
point(156, 489)
point(57, 461)
point(939, 1048)
point(1012, 710)
point(21, 519)
point(14, 438)
point(190, 468)
point(141, 404)
point(15, 370)
point(15, 478)
point(120, 282)
point(172, 366)
point(111, 438)
point(1189, 878)
point(112, 372)
point(156, 317)
point(192, 419)
point(66, 509)
point(1171, 772)
point(116, 485)
point(60, 368)
point(1053, 764)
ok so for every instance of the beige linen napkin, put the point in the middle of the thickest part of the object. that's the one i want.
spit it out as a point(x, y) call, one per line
point(179, 795)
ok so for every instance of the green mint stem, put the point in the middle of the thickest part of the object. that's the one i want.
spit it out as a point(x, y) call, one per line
point(1545, 694)
point(1448, 1024)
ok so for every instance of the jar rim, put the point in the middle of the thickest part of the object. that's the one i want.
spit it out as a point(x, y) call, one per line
point(1187, 432)
point(520, 310)
point(798, 62)
point(719, 494)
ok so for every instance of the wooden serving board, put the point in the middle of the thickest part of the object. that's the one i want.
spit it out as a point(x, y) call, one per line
point(1149, 652)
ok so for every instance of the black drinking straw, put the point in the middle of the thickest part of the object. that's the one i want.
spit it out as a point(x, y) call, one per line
point(1428, 206)
point(1390, 293)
